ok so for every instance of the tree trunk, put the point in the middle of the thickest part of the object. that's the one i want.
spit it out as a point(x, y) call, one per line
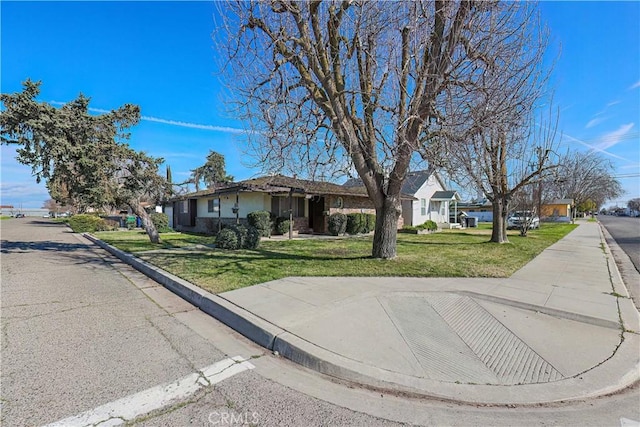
point(386, 233)
point(147, 224)
point(500, 210)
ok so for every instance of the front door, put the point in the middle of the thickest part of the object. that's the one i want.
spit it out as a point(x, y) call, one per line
point(316, 214)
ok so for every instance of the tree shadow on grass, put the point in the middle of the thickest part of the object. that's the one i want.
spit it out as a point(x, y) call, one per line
point(249, 255)
point(444, 243)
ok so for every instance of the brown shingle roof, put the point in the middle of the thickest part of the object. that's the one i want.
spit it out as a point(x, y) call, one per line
point(282, 184)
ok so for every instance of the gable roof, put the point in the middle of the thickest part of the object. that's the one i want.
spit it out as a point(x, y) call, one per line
point(412, 183)
point(445, 195)
point(303, 186)
point(561, 202)
point(284, 184)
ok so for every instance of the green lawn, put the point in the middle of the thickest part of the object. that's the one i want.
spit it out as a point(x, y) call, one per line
point(451, 253)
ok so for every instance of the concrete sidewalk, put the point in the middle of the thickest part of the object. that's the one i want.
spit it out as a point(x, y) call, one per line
point(560, 328)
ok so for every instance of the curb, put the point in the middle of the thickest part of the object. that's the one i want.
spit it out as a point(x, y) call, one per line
point(251, 326)
point(629, 316)
point(592, 383)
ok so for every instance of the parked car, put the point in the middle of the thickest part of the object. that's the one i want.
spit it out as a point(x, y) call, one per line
point(519, 218)
point(46, 216)
point(20, 215)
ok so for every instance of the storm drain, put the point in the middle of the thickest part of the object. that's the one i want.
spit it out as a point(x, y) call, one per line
point(454, 339)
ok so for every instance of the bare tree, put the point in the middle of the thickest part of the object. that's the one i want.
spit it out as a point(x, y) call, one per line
point(496, 137)
point(585, 176)
point(634, 205)
point(332, 85)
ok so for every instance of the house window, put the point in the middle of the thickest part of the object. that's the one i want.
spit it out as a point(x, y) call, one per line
point(280, 206)
point(423, 207)
point(213, 205)
point(443, 209)
point(184, 206)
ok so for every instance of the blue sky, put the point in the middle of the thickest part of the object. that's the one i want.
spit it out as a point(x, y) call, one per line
point(160, 56)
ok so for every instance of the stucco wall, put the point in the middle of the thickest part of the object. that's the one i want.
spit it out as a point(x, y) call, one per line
point(247, 203)
point(168, 210)
point(412, 209)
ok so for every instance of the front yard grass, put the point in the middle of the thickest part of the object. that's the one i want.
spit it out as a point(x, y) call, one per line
point(451, 253)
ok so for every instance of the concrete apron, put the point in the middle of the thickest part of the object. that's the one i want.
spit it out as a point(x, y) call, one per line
point(551, 332)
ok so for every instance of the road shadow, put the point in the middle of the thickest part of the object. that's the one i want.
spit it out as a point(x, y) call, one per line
point(7, 246)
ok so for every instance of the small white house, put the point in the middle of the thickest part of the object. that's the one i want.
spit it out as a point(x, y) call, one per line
point(433, 200)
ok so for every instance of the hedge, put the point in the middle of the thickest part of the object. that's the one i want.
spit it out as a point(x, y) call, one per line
point(227, 239)
point(261, 220)
point(252, 240)
point(238, 237)
point(370, 221)
point(337, 224)
point(88, 224)
point(282, 226)
point(161, 222)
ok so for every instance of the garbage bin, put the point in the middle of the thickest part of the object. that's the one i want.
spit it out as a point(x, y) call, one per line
point(472, 221)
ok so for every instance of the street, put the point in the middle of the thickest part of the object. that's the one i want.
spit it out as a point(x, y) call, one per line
point(84, 335)
point(626, 233)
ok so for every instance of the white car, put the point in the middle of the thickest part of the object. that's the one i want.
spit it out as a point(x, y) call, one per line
point(519, 218)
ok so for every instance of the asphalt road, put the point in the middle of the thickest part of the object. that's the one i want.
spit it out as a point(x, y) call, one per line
point(82, 331)
point(626, 233)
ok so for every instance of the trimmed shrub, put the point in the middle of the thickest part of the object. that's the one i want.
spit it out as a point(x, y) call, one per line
point(261, 220)
point(108, 225)
point(252, 240)
point(87, 223)
point(355, 223)
point(337, 224)
point(431, 225)
point(227, 239)
point(161, 221)
point(427, 225)
point(282, 227)
point(241, 233)
point(369, 223)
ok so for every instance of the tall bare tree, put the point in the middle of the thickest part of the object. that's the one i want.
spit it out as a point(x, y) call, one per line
point(496, 136)
point(585, 176)
point(359, 83)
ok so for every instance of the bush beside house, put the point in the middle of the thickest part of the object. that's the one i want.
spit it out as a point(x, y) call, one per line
point(227, 239)
point(282, 226)
point(161, 222)
point(261, 220)
point(360, 223)
point(337, 224)
point(424, 228)
point(238, 237)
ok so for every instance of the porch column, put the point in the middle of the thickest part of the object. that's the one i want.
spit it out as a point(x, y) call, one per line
point(291, 214)
point(237, 207)
point(455, 209)
point(219, 213)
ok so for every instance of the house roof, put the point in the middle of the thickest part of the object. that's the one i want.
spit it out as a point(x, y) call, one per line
point(561, 202)
point(283, 184)
point(445, 195)
point(412, 183)
point(484, 203)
